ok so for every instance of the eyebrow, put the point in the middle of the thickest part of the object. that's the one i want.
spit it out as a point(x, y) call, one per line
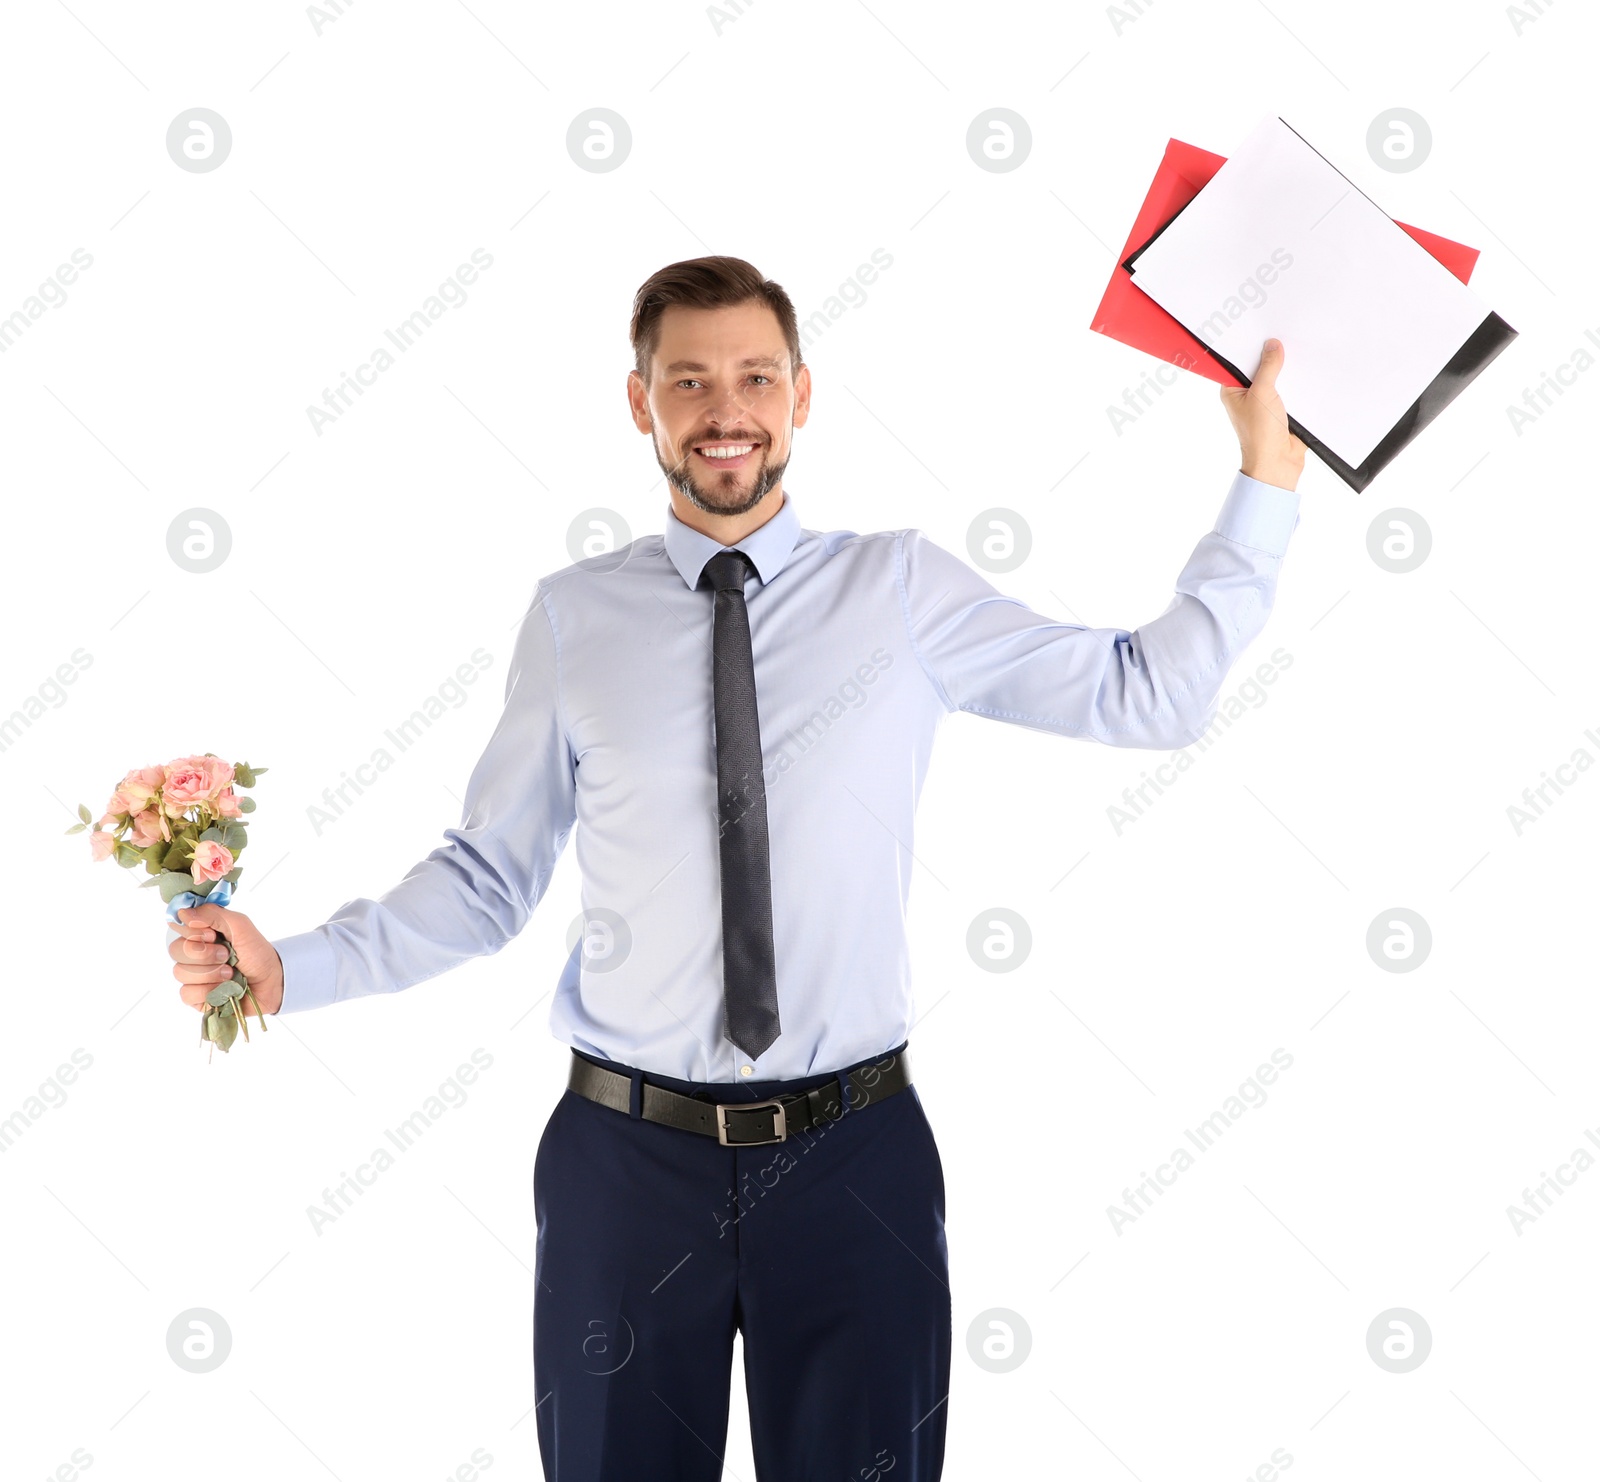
point(765, 362)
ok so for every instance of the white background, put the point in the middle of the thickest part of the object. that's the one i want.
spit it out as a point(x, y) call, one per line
point(368, 161)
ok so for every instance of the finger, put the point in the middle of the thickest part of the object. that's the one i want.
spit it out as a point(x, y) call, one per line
point(209, 970)
point(194, 995)
point(207, 915)
point(187, 931)
point(203, 922)
point(186, 949)
point(209, 974)
point(1266, 375)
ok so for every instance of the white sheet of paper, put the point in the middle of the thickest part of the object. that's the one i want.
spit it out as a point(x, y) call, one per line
point(1279, 243)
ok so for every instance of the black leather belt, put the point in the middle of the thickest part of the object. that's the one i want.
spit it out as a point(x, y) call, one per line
point(743, 1123)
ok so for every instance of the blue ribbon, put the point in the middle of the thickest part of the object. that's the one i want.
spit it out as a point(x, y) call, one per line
point(219, 893)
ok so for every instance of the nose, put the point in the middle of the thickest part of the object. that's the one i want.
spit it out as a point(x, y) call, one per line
point(731, 409)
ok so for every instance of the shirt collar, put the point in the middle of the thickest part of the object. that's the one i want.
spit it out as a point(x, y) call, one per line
point(767, 546)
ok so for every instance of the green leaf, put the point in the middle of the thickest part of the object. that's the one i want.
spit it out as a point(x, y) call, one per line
point(146, 884)
point(173, 883)
point(127, 855)
point(177, 855)
point(247, 805)
point(244, 775)
point(83, 813)
point(213, 833)
point(233, 837)
point(76, 828)
point(232, 877)
point(225, 993)
point(228, 1025)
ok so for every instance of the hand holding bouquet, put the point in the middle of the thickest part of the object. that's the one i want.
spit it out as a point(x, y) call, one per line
point(185, 823)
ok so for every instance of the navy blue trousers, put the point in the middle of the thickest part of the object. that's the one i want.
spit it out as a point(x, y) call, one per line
point(826, 1252)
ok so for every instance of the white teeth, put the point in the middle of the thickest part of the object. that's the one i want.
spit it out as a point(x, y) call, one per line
point(727, 452)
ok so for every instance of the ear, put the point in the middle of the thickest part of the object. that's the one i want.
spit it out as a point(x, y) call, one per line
point(638, 403)
point(802, 396)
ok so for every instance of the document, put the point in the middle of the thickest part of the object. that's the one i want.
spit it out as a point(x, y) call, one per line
point(1280, 244)
point(1134, 318)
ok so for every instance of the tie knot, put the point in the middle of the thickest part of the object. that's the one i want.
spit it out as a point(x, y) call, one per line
point(726, 571)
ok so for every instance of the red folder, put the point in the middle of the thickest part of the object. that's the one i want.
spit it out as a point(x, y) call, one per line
point(1127, 314)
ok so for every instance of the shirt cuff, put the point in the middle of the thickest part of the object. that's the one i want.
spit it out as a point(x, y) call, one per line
point(1259, 515)
point(308, 971)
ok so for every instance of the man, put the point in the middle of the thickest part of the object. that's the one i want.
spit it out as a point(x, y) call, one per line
point(739, 1147)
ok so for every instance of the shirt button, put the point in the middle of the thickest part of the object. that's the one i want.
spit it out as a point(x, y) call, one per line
point(746, 1069)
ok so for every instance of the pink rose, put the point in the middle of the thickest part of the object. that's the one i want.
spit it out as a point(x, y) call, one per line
point(211, 862)
point(149, 828)
point(135, 791)
point(227, 805)
point(102, 843)
point(194, 779)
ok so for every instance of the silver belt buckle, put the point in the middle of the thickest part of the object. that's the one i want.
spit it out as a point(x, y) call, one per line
point(780, 1122)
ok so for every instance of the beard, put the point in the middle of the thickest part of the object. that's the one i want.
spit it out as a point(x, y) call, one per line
point(724, 493)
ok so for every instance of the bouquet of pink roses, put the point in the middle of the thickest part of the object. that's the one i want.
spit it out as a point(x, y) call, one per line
point(185, 824)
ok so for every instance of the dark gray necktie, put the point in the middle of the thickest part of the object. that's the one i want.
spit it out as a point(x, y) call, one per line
point(749, 977)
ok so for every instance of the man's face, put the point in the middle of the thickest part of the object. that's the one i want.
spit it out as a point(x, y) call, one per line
point(721, 406)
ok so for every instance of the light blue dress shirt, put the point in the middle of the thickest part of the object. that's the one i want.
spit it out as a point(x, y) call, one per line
point(863, 644)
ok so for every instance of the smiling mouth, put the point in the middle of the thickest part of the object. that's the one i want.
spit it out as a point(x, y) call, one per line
point(725, 454)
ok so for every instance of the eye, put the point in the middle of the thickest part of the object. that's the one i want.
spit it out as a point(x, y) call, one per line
point(759, 377)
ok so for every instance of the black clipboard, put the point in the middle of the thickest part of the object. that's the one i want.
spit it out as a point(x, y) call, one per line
point(1485, 342)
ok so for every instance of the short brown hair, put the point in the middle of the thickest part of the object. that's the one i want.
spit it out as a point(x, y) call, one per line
point(705, 283)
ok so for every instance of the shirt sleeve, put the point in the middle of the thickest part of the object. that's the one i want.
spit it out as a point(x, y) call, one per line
point(1154, 686)
point(476, 891)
